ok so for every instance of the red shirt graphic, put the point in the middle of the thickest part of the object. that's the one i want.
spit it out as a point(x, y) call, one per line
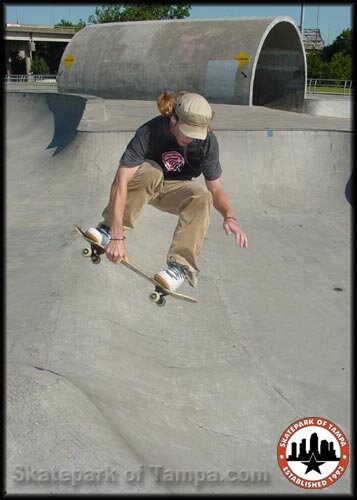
point(173, 161)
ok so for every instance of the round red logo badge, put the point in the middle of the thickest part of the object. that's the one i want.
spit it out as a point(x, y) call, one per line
point(313, 453)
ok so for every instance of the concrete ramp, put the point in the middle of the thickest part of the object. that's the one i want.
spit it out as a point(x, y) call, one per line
point(189, 398)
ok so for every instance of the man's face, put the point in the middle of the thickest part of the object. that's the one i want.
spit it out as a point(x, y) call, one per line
point(181, 139)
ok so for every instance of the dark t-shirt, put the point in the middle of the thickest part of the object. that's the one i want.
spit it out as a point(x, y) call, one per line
point(154, 141)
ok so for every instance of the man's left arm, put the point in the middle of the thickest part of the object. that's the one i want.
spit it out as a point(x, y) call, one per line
point(222, 205)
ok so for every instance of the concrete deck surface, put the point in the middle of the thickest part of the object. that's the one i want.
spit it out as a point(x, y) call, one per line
point(98, 377)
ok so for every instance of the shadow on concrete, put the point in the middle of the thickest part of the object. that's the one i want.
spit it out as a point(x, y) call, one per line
point(67, 112)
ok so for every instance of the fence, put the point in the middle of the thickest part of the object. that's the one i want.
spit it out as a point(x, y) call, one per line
point(313, 86)
point(30, 79)
point(329, 86)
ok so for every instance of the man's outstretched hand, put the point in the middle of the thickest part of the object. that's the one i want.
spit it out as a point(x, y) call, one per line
point(231, 226)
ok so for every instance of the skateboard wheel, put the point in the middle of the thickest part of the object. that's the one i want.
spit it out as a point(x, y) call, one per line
point(86, 252)
point(161, 302)
point(96, 259)
point(154, 297)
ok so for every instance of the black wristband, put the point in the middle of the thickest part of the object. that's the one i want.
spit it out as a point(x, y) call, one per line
point(117, 239)
point(229, 218)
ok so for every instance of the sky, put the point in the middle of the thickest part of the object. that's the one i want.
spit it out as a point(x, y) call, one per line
point(332, 18)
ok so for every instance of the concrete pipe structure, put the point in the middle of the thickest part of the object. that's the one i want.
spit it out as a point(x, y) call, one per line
point(248, 61)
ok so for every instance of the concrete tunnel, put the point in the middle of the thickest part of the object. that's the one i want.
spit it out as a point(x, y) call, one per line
point(247, 61)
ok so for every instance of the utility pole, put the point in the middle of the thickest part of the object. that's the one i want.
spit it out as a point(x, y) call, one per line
point(302, 20)
point(317, 21)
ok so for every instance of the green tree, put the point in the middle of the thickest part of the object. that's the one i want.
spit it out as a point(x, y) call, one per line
point(39, 66)
point(340, 66)
point(81, 24)
point(334, 61)
point(51, 52)
point(138, 12)
point(343, 43)
point(64, 23)
point(316, 67)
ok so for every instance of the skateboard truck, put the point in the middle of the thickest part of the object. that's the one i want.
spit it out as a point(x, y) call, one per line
point(158, 296)
point(94, 253)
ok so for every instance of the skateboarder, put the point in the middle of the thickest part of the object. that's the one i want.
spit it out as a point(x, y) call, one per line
point(158, 168)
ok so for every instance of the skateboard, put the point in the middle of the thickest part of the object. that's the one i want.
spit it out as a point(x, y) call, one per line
point(158, 296)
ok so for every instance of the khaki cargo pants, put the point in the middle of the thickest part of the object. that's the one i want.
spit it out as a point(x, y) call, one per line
point(189, 200)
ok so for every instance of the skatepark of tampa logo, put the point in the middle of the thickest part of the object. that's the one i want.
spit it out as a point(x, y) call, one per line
point(313, 453)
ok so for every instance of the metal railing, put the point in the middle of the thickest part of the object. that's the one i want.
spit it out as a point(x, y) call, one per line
point(51, 79)
point(313, 86)
point(329, 86)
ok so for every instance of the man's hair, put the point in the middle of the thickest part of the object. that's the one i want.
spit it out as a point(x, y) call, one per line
point(166, 102)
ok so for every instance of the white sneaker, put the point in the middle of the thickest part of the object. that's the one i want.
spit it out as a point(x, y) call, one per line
point(99, 234)
point(173, 276)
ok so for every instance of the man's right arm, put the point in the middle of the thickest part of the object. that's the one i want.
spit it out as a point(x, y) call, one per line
point(116, 250)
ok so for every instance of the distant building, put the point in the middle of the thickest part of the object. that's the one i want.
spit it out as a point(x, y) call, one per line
point(312, 39)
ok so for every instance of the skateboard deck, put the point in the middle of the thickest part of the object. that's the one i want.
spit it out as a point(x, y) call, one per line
point(158, 296)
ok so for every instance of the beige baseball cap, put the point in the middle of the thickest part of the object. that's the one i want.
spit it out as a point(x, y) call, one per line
point(195, 115)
